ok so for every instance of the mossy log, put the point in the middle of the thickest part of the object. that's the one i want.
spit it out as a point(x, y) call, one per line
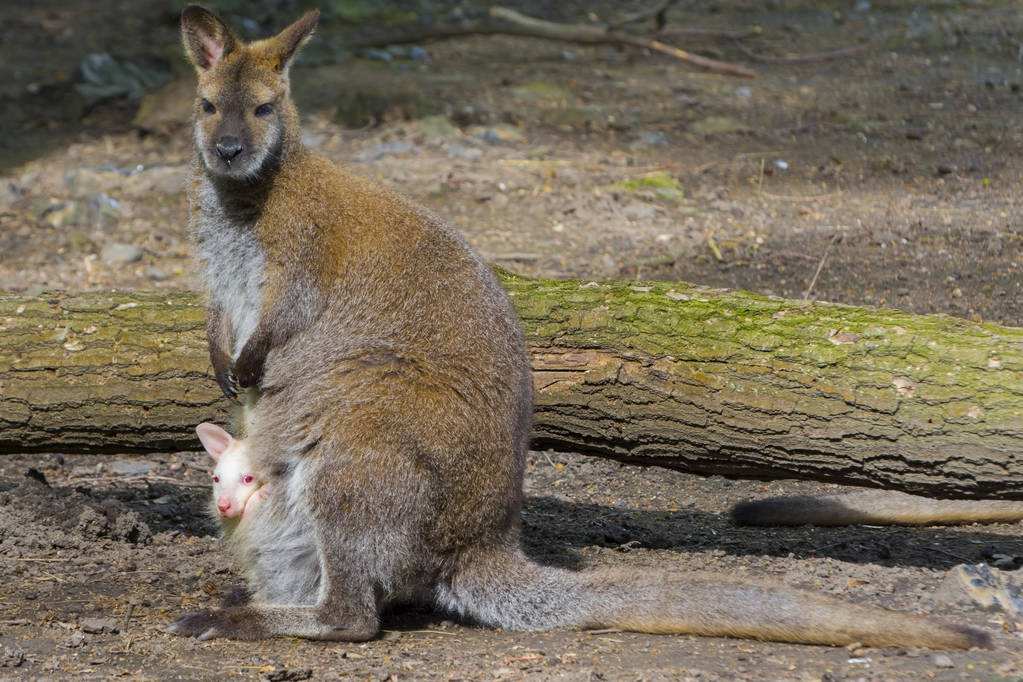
point(699, 380)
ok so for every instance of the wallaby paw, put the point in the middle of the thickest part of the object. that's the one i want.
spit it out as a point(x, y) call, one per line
point(230, 623)
point(192, 624)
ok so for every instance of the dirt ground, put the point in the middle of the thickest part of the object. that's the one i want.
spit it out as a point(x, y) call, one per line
point(891, 175)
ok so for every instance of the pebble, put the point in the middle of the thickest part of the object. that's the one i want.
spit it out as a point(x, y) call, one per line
point(126, 467)
point(378, 55)
point(500, 134)
point(156, 274)
point(942, 661)
point(95, 626)
point(11, 656)
point(76, 640)
point(649, 138)
point(119, 254)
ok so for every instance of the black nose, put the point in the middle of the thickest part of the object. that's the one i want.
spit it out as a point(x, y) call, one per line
point(228, 147)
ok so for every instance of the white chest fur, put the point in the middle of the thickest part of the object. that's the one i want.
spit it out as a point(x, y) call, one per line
point(234, 270)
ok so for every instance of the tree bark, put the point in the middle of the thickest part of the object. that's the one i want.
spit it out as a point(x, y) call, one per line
point(699, 380)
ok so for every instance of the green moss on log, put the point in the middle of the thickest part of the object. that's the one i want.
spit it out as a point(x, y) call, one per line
point(670, 374)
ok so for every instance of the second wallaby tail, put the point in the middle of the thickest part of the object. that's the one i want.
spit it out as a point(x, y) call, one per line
point(507, 590)
point(875, 507)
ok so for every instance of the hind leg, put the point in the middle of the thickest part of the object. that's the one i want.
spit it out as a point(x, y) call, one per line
point(360, 546)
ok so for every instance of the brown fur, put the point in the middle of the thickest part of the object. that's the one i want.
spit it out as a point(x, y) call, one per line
point(873, 507)
point(394, 408)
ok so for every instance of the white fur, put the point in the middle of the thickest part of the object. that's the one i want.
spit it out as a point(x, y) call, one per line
point(229, 474)
point(234, 267)
point(277, 546)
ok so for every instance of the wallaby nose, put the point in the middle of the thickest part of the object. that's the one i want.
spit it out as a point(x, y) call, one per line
point(223, 505)
point(228, 147)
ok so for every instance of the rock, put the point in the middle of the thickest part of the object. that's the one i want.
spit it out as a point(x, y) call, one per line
point(744, 92)
point(983, 586)
point(125, 467)
point(460, 151)
point(942, 661)
point(11, 656)
point(156, 274)
point(166, 109)
point(76, 640)
point(103, 77)
point(286, 675)
point(377, 55)
point(96, 626)
point(384, 149)
point(418, 54)
point(120, 254)
point(719, 125)
point(649, 138)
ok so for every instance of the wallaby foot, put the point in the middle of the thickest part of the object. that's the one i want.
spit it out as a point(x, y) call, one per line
point(260, 622)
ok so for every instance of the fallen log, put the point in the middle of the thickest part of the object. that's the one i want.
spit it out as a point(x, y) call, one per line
point(699, 380)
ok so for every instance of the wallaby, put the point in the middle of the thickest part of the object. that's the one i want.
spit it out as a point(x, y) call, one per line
point(874, 507)
point(394, 403)
point(237, 490)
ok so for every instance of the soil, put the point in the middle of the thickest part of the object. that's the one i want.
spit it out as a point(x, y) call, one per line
point(885, 178)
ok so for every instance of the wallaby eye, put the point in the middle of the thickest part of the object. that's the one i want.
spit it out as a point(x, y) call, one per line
point(247, 479)
point(264, 110)
point(216, 479)
point(207, 106)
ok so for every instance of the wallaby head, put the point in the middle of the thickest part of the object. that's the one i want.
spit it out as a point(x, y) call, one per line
point(244, 117)
point(234, 480)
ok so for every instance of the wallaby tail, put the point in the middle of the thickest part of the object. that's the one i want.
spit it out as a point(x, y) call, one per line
point(507, 590)
point(875, 507)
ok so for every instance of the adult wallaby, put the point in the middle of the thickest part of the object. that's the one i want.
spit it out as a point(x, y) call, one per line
point(395, 401)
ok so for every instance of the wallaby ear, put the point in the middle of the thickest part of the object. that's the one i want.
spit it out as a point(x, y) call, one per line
point(215, 439)
point(207, 39)
point(285, 45)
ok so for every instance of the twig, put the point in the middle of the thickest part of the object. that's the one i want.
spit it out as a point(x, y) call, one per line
point(483, 28)
point(594, 35)
point(820, 266)
point(804, 58)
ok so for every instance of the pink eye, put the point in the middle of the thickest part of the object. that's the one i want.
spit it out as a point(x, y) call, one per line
point(247, 479)
point(216, 479)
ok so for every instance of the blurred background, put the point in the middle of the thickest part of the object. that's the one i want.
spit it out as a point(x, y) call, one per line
point(874, 158)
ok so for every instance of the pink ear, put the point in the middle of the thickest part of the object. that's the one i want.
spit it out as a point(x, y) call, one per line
point(213, 50)
point(215, 439)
